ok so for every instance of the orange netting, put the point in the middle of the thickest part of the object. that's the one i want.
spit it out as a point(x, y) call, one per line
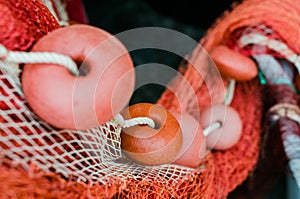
point(24, 22)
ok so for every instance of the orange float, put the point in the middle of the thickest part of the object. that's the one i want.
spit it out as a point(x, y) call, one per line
point(151, 146)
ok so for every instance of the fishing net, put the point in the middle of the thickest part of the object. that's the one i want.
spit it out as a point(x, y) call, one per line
point(39, 161)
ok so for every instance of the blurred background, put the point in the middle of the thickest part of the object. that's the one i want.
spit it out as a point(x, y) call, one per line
point(189, 17)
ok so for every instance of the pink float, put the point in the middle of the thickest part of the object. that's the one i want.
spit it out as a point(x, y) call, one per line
point(193, 148)
point(102, 89)
point(233, 64)
point(229, 132)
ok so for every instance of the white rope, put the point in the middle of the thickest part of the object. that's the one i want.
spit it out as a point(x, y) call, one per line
point(134, 121)
point(211, 128)
point(276, 45)
point(286, 110)
point(228, 99)
point(39, 57)
point(230, 92)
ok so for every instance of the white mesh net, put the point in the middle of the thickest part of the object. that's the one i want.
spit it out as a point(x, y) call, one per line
point(90, 156)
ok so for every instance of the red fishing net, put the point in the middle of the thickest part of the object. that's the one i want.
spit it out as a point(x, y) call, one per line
point(38, 161)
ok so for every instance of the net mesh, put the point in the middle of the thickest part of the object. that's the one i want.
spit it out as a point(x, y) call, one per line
point(93, 155)
point(85, 164)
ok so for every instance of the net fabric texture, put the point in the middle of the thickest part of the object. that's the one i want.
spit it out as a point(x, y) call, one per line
point(93, 155)
point(283, 18)
point(218, 175)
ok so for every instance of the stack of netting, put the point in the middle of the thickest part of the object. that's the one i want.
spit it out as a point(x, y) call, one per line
point(38, 161)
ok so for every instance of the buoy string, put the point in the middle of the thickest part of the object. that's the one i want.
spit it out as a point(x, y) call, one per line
point(230, 92)
point(228, 99)
point(39, 58)
point(211, 128)
point(134, 121)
